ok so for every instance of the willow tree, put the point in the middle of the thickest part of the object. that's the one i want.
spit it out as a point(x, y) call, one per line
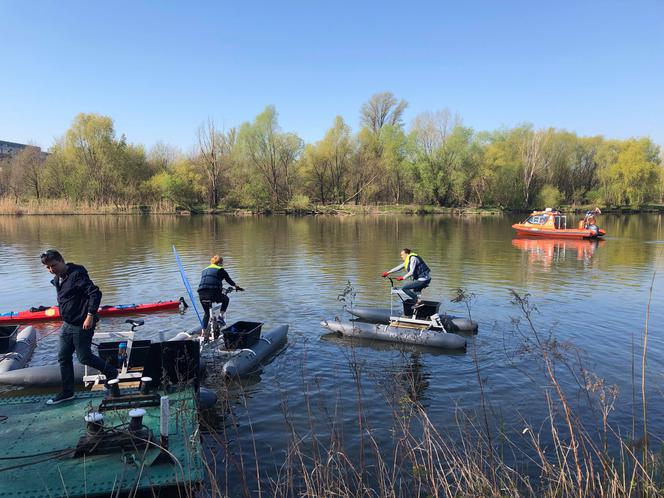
point(633, 176)
point(271, 155)
point(393, 160)
point(438, 142)
point(90, 163)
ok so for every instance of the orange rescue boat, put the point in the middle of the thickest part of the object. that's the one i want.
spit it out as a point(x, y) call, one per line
point(552, 223)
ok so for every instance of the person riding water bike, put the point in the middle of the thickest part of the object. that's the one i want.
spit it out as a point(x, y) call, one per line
point(210, 289)
point(416, 268)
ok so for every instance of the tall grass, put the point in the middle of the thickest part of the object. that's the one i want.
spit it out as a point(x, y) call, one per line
point(9, 206)
point(562, 456)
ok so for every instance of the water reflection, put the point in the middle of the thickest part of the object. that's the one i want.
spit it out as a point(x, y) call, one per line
point(414, 379)
point(551, 251)
point(294, 269)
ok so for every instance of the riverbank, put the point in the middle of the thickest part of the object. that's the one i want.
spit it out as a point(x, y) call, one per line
point(44, 207)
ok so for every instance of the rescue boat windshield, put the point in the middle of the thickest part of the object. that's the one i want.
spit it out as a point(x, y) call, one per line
point(537, 219)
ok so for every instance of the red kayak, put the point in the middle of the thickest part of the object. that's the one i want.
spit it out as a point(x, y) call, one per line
point(44, 314)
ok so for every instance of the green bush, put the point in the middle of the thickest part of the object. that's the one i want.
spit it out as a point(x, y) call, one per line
point(549, 196)
point(299, 203)
point(594, 197)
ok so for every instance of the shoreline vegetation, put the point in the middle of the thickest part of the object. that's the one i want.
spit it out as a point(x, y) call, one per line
point(64, 207)
point(433, 164)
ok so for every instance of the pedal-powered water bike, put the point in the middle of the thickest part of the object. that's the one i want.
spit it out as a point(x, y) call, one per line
point(240, 348)
point(420, 324)
point(418, 312)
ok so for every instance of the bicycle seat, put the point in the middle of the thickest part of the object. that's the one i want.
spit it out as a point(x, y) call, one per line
point(135, 323)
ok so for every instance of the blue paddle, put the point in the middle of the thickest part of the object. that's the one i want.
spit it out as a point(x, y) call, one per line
point(185, 281)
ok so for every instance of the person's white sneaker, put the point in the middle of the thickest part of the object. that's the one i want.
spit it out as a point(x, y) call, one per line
point(59, 398)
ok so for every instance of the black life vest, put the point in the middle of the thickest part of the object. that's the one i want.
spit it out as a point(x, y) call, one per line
point(421, 268)
point(210, 278)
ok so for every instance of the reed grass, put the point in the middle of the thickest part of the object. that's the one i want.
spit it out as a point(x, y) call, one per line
point(475, 457)
point(9, 206)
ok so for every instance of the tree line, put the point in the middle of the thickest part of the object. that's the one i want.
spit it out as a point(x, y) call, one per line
point(435, 161)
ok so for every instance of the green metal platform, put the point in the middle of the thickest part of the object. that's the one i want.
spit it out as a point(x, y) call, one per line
point(37, 442)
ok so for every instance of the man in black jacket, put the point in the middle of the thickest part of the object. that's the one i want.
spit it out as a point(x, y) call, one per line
point(78, 299)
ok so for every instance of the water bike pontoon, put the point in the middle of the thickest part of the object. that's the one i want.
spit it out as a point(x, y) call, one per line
point(240, 348)
point(552, 223)
point(16, 346)
point(420, 312)
point(421, 323)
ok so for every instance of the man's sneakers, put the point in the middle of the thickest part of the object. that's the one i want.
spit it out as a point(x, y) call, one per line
point(59, 398)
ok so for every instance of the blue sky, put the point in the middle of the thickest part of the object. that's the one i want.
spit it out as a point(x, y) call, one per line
point(160, 69)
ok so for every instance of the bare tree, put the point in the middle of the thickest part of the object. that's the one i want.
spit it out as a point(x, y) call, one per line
point(382, 109)
point(4, 175)
point(26, 172)
point(432, 129)
point(214, 151)
point(162, 156)
point(290, 147)
point(535, 157)
point(366, 168)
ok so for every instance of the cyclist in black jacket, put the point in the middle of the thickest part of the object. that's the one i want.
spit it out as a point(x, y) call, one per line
point(78, 300)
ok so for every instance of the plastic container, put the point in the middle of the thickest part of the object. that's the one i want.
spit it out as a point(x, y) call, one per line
point(7, 338)
point(426, 309)
point(242, 334)
point(110, 352)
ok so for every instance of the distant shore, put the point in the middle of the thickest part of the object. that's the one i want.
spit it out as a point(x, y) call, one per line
point(9, 207)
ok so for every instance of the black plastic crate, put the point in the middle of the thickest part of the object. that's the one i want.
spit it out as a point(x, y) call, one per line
point(242, 334)
point(426, 309)
point(108, 351)
point(173, 362)
point(8, 337)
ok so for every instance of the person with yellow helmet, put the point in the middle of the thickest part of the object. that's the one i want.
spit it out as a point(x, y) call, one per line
point(210, 288)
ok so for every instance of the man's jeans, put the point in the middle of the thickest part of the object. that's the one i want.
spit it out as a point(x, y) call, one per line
point(74, 338)
point(415, 285)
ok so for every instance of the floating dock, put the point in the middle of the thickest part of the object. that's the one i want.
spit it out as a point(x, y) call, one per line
point(50, 451)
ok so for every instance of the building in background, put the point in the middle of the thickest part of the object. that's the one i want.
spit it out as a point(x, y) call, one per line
point(10, 149)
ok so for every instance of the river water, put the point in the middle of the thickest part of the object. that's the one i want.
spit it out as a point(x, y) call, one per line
point(591, 296)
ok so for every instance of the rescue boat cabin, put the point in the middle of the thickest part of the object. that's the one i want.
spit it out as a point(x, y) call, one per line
point(549, 218)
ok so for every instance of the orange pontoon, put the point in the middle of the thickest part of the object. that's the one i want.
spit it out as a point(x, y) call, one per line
point(551, 223)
